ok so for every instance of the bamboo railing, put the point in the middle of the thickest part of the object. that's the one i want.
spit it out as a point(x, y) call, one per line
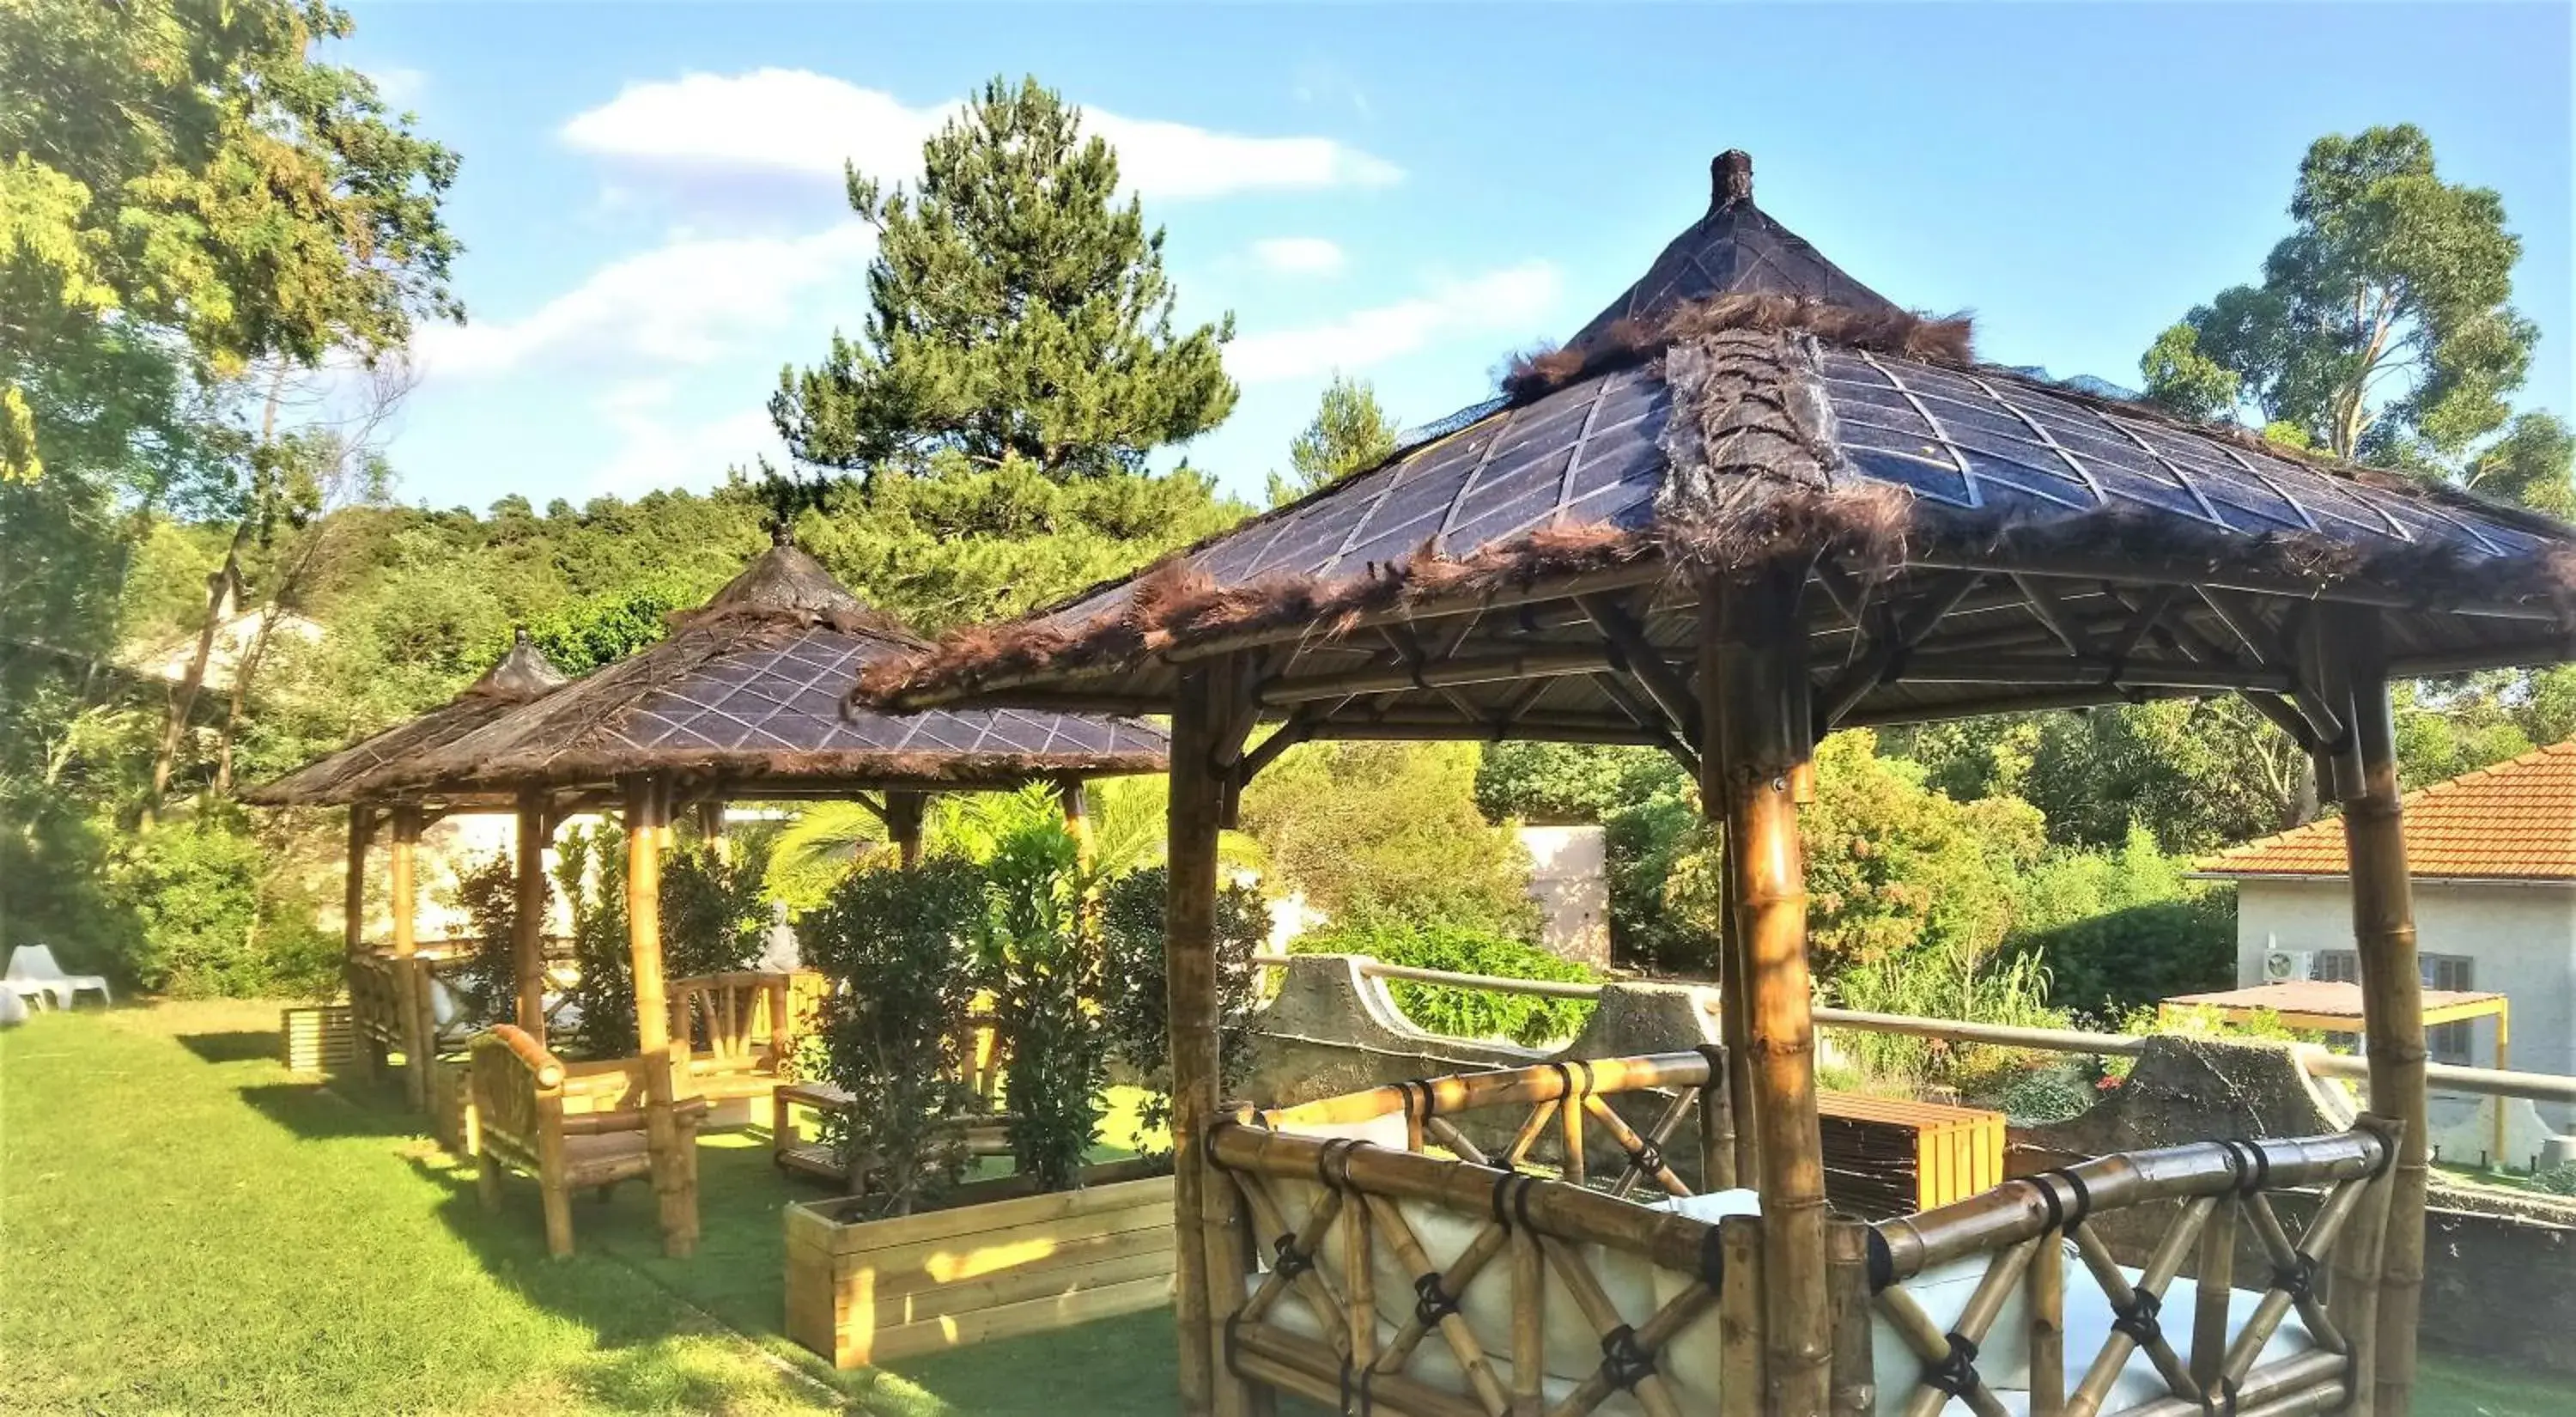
point(1408, 1270)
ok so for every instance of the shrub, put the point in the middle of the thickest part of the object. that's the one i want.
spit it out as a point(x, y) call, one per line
point(487, 892)
point(900, 947)
point(2045, 1094)
point(1134, 1003)
point(1040, 955)
point(2011, 991)
point(2122, 929)
point(1389, 831)
point(212, 922)
point(715, 917)
point(2558, 1180)
point(1526, 1019)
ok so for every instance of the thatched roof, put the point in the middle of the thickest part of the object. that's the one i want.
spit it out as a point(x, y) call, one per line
point(746, 696)
point(355, 773)
point(1985, 540)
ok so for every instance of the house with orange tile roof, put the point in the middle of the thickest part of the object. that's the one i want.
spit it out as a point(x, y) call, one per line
point(2493, 854)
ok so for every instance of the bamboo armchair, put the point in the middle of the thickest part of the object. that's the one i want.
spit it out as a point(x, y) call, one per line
point(569, 1125)
point(1555, 1261)
point(741, 1029)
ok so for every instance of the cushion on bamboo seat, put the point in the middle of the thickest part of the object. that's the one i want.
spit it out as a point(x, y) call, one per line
point(1434, 1365)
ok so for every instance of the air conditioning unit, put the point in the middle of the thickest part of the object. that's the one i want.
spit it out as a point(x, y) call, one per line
point(2285, 966)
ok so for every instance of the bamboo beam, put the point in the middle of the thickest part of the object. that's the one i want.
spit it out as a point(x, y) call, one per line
point(903, 813)
point(1640, 657)
point(2392, 988)
point(528, 916)
point(1208, 710)
point(1478, 669)
point(1757, 676)
point(413, 985)
point(647, 824)
point(2067, 669)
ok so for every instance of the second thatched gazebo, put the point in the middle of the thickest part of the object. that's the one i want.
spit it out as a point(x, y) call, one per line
point(744, 699)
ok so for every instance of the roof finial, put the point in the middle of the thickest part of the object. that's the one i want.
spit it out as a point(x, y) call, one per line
point(519, 637)
point(1730, 179)
point(782, 532)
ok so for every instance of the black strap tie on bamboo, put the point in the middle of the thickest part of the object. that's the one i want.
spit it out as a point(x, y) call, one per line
point(2138, 1318)
point(1417, 1096)
point(2253, 1169)
point(2298, 1279)
point(1712, 1260)
point(2061, 1215)
point(1431, 1303)
point(1513, 1212)
point(1715, 1057)
point(1624, 1363)
point(1648, 1158)
point(1291, 1261)
point(1355, 1388)
point(1333, 1163)
point(1954, 1374)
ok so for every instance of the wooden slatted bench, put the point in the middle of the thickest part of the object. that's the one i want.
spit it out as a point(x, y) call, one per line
point(1889, 1156)
point(569, 1125)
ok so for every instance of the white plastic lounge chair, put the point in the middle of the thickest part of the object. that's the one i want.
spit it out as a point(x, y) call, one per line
point(33, 965)
point(13, 1009)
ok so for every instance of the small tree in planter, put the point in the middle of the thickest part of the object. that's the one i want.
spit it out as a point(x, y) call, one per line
point(1134, 1004)
point(487, 892)
point(899, 946)
point(715, 917)
point(1042, 959)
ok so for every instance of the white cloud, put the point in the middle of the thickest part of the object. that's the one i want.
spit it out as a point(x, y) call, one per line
point(650, 449)
point(799, 122)
point(1502, 302)
point(398, 86)
point(1299, 255)
point(688, 302)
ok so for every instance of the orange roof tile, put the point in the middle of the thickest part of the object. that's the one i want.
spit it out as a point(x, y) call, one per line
point(2515, 820)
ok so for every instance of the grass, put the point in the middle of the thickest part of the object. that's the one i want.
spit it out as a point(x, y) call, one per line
point(185, 1227)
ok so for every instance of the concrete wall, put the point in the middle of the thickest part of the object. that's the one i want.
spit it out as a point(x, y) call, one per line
point(2522, 937)
point(1569, 878)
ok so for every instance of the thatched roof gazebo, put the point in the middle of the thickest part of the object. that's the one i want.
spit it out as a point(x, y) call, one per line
point(744, 699)
point(1750, 503)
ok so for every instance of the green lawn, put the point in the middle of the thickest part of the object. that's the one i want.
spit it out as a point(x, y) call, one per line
point(184, 1227)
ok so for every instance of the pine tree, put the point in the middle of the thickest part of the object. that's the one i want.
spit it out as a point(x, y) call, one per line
point(1349, 433)
point(1017, 312)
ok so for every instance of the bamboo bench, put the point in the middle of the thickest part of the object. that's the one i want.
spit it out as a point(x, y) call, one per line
point(1470, 1285)
point(741, 1029)
point(569, 1125)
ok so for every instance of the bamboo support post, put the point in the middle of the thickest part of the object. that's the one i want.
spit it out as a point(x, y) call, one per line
point(1734, 1016)
point(2383, 925)
point(1855, 1384)
point(647, 826)
point(1207, 731)
point(2213, 1279)
point(2046, 1280)
point(1077, 815)
point(903, 814)
point(1739, 1318)
point(1529, 1324)
point(411, 983)
point(2353, 1297)
point(353, 890)
point(528, 915)
point(1754, 673)
point(1717, 1155)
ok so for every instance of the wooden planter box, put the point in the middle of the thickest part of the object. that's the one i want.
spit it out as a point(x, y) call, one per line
point(316, 1038)
point(994, 1261)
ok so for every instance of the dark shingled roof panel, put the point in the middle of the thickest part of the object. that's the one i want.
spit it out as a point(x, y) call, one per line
point(748, 689)
point(350, 775)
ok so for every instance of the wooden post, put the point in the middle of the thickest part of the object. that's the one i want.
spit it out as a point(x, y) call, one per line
point(353, 890)
point(528, 916)
point(2392, 985)
point(1206, 723)
point(1734, 1001)
point(411, 981)
point(1755, 685)
point(647, 823)
point(903, 822)
point(1077, 817)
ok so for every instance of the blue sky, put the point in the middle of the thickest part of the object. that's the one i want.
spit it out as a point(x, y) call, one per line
point(652, 206)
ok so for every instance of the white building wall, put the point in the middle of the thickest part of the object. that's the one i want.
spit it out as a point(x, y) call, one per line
point(1570, 879)
point(2522, 937)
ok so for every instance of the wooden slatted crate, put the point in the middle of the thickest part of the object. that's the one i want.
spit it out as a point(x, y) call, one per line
point(874, 1291)
point(316, 1038)
point(1888, 1156)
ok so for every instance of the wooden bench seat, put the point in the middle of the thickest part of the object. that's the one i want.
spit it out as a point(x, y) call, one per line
point(570, 1126)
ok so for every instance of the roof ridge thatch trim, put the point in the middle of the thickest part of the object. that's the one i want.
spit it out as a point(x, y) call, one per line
point(1932, 339)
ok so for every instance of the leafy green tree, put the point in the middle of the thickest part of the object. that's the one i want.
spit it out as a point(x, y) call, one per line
point(1373, 831)
point(2383, 327)
point(1349, 433)
point(1040, 953)
point(1017, 312)
point(1533, 1021)
point(1135, 1007)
